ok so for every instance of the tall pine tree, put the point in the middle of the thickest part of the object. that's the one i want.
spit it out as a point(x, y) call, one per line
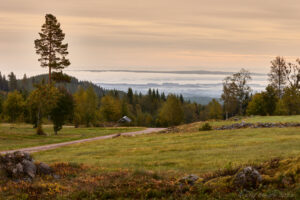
point(50, 46)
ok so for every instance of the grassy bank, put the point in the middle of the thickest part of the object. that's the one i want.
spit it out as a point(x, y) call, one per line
point(255, 119)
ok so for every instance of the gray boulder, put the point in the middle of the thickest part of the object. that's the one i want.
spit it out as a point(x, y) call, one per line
point(190, 179)
point(20, 155)
point(247, 178)
point(44, 169)
point(17, 170)
point(20, 166)
point(29, 168)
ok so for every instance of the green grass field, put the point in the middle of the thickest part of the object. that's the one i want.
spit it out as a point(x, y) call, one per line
point(149, 166)
point(15, 136)
point(196, 152)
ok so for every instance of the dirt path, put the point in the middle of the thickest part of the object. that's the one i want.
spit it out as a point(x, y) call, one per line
point(54, 146)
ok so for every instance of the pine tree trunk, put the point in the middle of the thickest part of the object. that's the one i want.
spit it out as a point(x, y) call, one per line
point(39, 129)
point(50, 59)
point(49, 75)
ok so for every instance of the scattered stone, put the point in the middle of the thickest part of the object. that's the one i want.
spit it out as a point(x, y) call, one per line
point(248, 178)
point(29, 168)
point(171, 130)
point(257, 125)
point(55, 176)
point(190, 179)
point(44, 169)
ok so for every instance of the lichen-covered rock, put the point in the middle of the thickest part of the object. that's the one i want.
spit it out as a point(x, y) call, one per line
point(17, 170)
point(19, 156)
point(29, 168)
point(20, 166)
point(190, 179)
point(247, 178)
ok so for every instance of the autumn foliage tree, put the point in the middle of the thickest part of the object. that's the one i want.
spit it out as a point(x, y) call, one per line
point(50, 46)
point(263, 103)
point(171, 113)
point(291, 99)
point(14, 106)
point(86, 104)
point(257, 105)
point(41, 101)
point(110, 109)
point(214, 110)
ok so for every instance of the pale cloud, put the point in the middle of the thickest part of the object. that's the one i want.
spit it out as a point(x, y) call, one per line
point(162, 34)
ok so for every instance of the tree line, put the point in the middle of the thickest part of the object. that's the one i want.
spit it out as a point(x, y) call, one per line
point(280, 97)
point(84, 107)
point(56, 104)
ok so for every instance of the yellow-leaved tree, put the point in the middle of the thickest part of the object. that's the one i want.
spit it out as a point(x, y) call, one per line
point(171, 114)
point(110, 109)
point(86, 103)
point(41, 101)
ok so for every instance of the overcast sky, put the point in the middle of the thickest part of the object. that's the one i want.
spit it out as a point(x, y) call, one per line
point(154, 34)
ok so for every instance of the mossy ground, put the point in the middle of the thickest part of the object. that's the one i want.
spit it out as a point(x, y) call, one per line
point(281, 180)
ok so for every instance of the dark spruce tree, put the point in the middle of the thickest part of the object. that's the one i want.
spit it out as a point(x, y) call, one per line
point(12, 84)
point(50, 47)
point(63, 111)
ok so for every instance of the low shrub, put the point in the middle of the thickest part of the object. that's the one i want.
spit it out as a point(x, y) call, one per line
point(205, 127)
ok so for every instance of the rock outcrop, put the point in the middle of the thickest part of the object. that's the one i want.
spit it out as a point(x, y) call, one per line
point(21, 166)
point(247, 178)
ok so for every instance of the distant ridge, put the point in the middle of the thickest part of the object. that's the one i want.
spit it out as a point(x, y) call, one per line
point(72, 87)
point(166, 72)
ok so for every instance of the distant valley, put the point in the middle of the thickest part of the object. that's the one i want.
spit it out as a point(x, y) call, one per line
point(199, 85)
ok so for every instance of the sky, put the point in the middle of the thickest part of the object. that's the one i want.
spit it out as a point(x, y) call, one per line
point(154, 34)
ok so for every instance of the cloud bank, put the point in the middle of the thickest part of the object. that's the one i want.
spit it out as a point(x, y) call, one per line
point(169, 35)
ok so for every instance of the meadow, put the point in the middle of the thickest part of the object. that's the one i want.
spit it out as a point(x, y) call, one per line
point(151, 166)
point(185, 152)
point(15, 136)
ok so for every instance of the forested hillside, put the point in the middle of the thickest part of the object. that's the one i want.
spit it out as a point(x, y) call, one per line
point(11, 83)
point(81, 103)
